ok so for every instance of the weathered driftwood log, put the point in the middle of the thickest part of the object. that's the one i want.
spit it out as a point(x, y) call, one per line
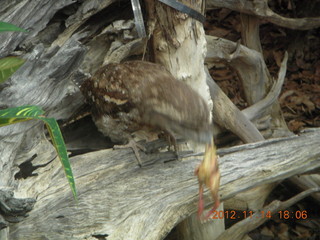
point(250, 65)
point(116, 197)
point(229, 116)
point(305, 182)
point(31, 15)
point(179, 44)
point(45, 78)
point(242, 58)
point(238, 230)
point(122, 201)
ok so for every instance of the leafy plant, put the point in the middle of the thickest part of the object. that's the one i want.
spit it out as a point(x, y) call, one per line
point(9, 65)
point(8, 27)
point(14, 115)
point(25, 113)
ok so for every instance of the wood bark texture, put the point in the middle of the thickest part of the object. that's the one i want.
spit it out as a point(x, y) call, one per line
point(67, 41)
point(111, 186)
point(179, 44)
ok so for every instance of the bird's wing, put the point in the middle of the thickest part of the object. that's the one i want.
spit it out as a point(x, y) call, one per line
point(173, 106)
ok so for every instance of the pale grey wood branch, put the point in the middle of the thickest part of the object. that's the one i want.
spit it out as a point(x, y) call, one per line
point(175, 41)
point(32, 15)
point(227, 115)
point(258, 109)
point(240, 229)
point(123, 201)
point(116, 197)
point(254, 86)
point(84, 12)
point(305, 182)
point(44, 80)
point(14, 209)
point(242, 58)
point(250, 32)
point(261, 9)
point(249, 64)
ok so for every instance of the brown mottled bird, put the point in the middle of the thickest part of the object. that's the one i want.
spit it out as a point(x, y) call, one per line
point(137, 95)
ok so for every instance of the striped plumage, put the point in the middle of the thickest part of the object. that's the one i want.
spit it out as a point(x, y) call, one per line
point(135, 95)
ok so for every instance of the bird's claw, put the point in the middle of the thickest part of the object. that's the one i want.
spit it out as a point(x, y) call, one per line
point(135, 148)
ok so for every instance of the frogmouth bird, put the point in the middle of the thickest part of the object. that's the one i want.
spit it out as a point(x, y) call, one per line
point(135, 96)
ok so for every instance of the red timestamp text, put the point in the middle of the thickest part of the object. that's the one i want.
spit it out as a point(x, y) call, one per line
point(286, 214)
point(232, 214)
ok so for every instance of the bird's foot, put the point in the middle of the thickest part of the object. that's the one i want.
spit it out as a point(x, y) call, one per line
point(214, 208)
point(135, 148)
point(172, 141)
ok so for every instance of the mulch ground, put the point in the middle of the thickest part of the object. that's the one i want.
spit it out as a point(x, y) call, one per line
point(299, 99)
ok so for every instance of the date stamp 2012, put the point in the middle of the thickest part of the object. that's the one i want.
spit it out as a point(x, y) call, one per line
point(285, 214)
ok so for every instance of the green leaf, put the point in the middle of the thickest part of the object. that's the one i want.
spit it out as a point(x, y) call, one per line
point(8, 66)
point(19, 114)
point(60, 146)
point(24, 113)
point(5, 27)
